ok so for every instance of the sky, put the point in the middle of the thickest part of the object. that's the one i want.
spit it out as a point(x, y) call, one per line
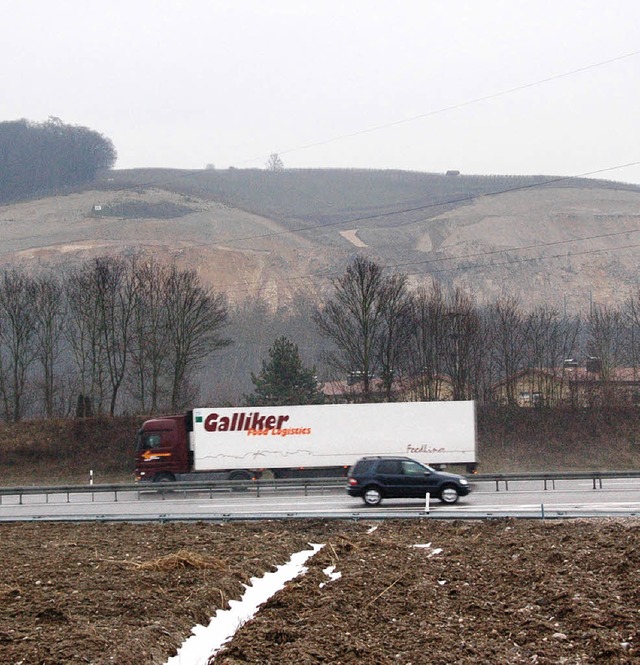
point(481, 86)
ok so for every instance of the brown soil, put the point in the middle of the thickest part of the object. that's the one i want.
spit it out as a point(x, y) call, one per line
point(499, 591)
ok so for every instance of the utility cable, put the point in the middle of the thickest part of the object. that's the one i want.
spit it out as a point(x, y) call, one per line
point(453, 107)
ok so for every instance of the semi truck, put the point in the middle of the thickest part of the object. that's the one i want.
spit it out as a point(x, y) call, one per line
point(302, 441)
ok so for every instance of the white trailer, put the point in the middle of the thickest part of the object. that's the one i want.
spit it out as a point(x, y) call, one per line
point(331, 436)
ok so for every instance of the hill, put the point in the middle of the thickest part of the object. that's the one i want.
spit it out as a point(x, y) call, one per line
point(275, 234)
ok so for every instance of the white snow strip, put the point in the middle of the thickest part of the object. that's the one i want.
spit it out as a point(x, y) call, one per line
point(436, 551)
point(206, 641)
point(373, 528)
point(331, 573)
point(418, 545)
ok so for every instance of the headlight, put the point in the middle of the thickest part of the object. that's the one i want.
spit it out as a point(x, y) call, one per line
point(464, 481)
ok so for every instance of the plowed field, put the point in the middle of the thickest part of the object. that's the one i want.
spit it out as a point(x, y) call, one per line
point(410, 592)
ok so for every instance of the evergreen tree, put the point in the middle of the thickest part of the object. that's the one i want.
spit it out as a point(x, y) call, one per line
point(284, 379)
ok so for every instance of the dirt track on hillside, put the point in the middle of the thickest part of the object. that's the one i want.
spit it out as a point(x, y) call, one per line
point(501, 591)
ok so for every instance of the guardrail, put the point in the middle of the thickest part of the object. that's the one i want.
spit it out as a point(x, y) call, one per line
point(550, 477)
point(170, 488)
point(303, 484)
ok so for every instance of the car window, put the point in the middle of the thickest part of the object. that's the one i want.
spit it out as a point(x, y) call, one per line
point(363, 466)
point(389, 466)
point(410, 468)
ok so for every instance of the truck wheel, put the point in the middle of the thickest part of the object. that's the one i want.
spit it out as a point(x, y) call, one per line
point(240, 474)
point(372, 496)
point(237, 476)
point(164, 478)
point(449, 494)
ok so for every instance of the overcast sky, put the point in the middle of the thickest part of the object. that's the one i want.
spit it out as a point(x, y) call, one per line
point(227, 82)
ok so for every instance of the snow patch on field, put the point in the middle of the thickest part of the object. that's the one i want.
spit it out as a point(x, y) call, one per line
point(206, 641)
point(332, 574)
point(425, 546)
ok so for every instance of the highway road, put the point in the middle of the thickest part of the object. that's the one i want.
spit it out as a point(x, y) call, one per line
point(567, 498)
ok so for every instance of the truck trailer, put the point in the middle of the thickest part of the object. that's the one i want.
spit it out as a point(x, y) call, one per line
point(318, 440)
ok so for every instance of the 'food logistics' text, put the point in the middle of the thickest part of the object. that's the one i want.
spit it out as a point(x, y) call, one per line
point(288, 431)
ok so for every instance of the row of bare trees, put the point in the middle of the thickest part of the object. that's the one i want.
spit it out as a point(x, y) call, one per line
point(127, 334)
point(115, 334)
point(382, 330)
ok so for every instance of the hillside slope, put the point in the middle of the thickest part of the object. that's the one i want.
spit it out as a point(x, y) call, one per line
point(200, 234)
point(574, 246)
point(274, 234)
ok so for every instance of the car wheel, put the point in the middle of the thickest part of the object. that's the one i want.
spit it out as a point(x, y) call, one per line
point(372, 496)
point(449, 494)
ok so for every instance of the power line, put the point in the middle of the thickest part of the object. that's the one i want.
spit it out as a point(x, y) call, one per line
point(541, 258)
point(470, 267)
point(448, 202)
point(425, 115)
point(459, 200)
point(444, 203)
point(401, 211)
point(462, 257)
point(455, 201)
point(452, 107)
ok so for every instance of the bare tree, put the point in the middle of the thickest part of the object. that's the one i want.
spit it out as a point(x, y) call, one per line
point(394, 337)
point(631, 312)
point(462, 344)
point(428, 334)
point(606, 333)
point(605, 338)
point(486, 372)
point(17, 325)
point(150, 375)
point(508, 343)
point(114, 286)
point(84, 336)
point(195, 317)
point(274, 163)
point(354, 319)
point(550, 339)
point(49, 317)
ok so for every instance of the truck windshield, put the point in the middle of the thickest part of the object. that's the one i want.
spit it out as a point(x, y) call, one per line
point(148, 440)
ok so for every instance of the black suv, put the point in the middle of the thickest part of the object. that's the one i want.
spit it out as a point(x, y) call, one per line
point(375, 478)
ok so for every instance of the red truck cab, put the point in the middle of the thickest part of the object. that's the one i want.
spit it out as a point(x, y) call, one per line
point(162, 449)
